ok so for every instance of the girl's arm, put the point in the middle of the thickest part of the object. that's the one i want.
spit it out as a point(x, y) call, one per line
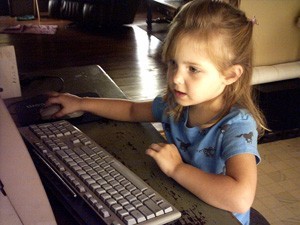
point(233, 192)
point(116, 109)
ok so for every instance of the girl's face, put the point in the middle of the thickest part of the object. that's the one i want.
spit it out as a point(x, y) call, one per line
point(192, 76)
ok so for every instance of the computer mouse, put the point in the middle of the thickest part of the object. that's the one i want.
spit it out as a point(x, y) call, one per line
point(47, 112)
point(73, 115)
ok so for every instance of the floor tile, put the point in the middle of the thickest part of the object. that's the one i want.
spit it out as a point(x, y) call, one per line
point(278, 187)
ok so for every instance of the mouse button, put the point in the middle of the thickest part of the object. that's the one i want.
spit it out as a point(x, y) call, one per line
point(74, 114)
point(47, 112)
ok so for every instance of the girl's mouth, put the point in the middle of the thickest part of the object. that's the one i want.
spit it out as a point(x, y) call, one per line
point(179, 94)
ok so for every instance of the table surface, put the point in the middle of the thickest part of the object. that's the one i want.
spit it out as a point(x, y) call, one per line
point(120, 139)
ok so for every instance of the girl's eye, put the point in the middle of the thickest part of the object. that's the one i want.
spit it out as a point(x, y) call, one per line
point(171, 64)
point(193, 69)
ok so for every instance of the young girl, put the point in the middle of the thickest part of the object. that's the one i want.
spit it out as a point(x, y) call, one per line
point(209, 118)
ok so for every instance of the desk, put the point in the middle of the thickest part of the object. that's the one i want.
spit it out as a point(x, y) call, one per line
point(127, 142)
point(166, 7)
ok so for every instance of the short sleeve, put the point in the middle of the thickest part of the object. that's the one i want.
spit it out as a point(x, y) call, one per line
point(240, 136)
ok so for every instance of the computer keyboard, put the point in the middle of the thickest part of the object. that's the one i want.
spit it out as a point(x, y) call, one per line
point(116, 194)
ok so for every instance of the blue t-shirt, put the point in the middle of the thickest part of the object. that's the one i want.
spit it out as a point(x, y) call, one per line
point(209, 149)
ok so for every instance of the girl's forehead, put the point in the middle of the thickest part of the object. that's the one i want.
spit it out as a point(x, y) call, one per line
point(192, 42)
point(209, 44)
point(195, 41)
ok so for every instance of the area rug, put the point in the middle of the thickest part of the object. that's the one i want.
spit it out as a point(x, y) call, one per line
point(30, 29)
point(159, 30)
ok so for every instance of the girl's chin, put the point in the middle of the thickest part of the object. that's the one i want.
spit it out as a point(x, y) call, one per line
point(181, 102)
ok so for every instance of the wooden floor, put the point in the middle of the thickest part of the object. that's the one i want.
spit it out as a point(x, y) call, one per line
point(127, 54)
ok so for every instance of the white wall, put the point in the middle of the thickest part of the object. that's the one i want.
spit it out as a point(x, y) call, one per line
point(276, 38)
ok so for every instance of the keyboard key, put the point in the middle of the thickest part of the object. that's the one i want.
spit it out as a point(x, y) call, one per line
point(137, 203)
point(153, 207)
point(123, 202)
point(146, 212)
point(129, 207)
point(100, 191)
point(129, 220)
point(110, 201)
point(116, 207)
point(87, 195)
point(98, 206)
point(104, 213)
point(95, 186)
point(88, 151)
point(130, 198)
point(166, 207)
point(80, 188)
point(139, 217)
point(117, 196)
point(93, 201)
point(122, 213)
point(104, 196)
point(142, 197)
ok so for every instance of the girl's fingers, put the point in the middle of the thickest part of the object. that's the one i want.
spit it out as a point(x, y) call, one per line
point(51, 101)
point(156, 146)
point(150, 152)
point(154, 149)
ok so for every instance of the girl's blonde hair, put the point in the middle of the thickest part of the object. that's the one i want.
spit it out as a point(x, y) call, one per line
point(227, 33)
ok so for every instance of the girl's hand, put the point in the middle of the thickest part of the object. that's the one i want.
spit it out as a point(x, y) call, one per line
point(166, 156)
point(69, 103)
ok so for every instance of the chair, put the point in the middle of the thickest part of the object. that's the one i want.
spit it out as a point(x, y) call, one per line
point(256, 218)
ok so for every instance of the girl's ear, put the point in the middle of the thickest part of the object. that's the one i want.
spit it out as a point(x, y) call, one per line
point(233, 73)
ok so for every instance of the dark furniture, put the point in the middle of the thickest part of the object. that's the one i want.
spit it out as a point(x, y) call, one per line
point(279, 102)
point(167, 8)
point(4, 10)
point(257, 219)
point(95, 12)
point(20, 8)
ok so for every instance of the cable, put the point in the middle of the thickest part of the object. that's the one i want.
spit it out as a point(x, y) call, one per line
point(2, 188)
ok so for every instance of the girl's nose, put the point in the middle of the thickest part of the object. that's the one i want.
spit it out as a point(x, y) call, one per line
point(177, 77)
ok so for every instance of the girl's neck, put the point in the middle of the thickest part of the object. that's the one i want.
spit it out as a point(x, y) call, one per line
point(202, 115)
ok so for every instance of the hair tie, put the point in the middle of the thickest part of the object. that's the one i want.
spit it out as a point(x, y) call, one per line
point(253, 20)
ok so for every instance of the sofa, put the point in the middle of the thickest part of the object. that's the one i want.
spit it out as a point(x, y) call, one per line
point(276, 73)
point(95, 12)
